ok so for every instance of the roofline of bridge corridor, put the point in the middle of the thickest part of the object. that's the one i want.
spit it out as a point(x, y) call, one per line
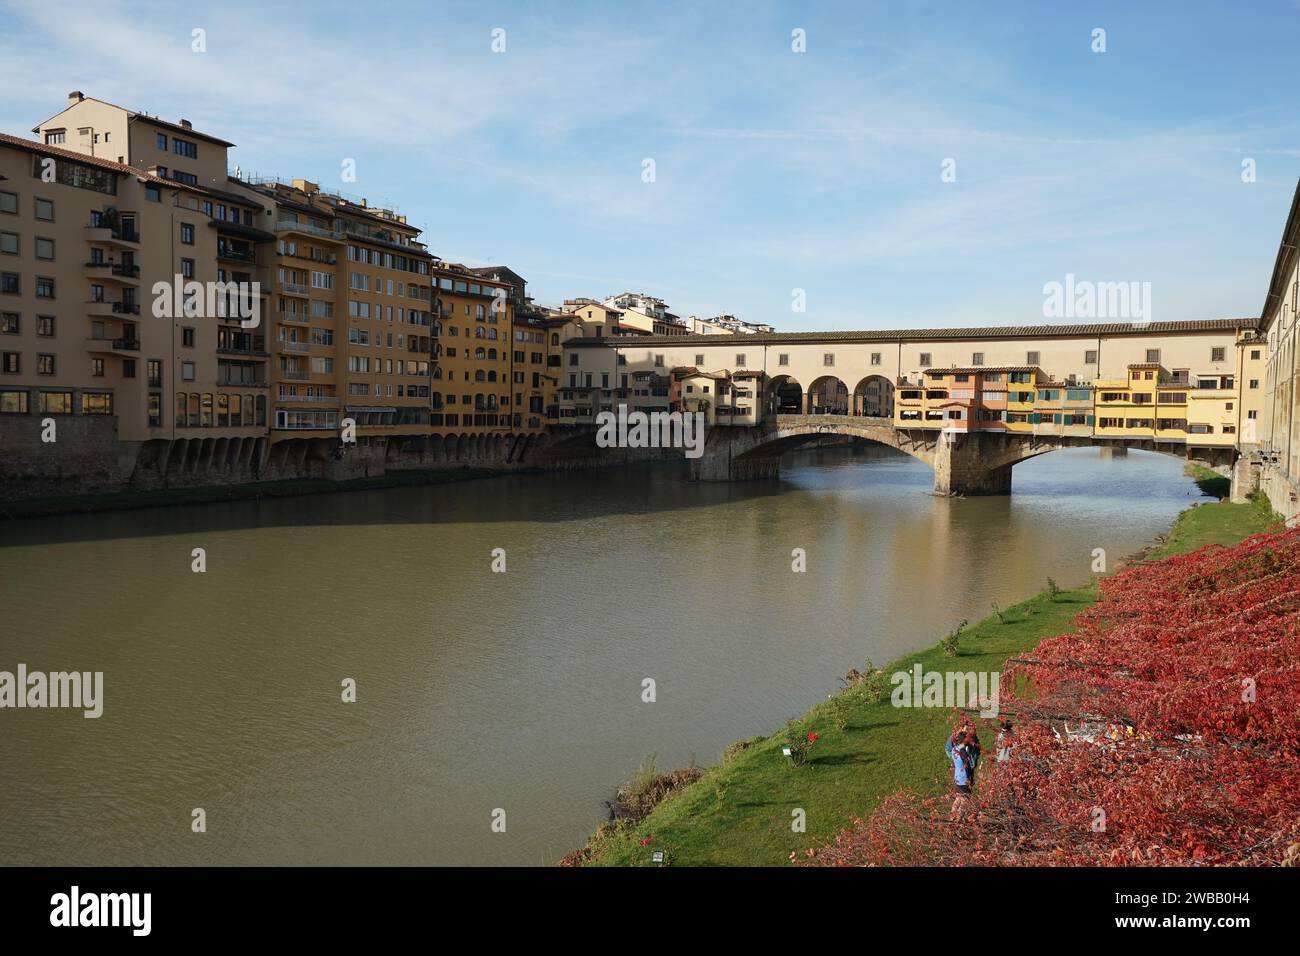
point(1092, 330)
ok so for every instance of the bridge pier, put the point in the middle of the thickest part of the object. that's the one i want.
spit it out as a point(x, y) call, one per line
point(962, 466)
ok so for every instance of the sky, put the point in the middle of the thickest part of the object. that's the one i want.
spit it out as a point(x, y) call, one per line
point(774, 170)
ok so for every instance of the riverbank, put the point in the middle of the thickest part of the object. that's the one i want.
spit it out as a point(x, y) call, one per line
point(739, 812)
point(208, 494)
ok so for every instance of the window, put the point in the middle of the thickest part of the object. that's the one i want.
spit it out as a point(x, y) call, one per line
point(926, 360)
point(56, 137)
point(187, 233)
point(187, 268)
point(45, 209)
point(1032, 358)
point(1153, 356)
point(1254, 383)
point(45, 326)
point(154, 370)
point(11, 362)
point(875, 358)
point(740, 360)
point(699, 359)
point(9, 323)
point(44, 288)
point(97, 367)
point(1090, 357)
point(659, 361)
point(1254, 354)
point(56, 403)
point(187, 371)
point(187, 338)
point(9, 243)
point(44, 248)
point(9, 283)
point(9, 202)
point(96, 403)
point(1216, 354)
point(828, 359)
point(183, 147)
point(13, 402)
point(977, 358)
point(162, 141)
point(152, 193)
point(44, 364)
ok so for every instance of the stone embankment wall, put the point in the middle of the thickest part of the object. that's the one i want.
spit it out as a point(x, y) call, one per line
point(86, 458)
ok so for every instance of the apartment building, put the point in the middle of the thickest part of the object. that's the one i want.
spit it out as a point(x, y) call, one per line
point(113, 282)
point(350, 319)
point(645, 315)
point(474, 335)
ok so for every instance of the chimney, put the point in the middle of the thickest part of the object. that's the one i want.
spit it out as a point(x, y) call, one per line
point(187, 124)
point(75, 97)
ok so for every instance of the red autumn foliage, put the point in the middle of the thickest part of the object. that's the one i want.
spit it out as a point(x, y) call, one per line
point(1136, 738)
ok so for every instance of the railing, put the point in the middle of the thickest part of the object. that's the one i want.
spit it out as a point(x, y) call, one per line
point(126, 345)
point(293, 288)
point(285, 225)
point(295, 317)
point(237, 255)
point(295, 346)
point(310, 398)
point(126, 308)
point(130, 272)
point(294, 375)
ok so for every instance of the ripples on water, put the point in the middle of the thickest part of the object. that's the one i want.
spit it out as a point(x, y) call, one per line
point(479, 690)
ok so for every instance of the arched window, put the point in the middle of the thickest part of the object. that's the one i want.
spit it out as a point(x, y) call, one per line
point(492, 376)
point(480, 353)
point(478, 375)
point(492, 353)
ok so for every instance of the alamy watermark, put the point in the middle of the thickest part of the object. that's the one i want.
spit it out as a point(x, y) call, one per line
point(190, 298)
point(37, 689)
point(637, 429)
point(947, 689)
point(1084, 299)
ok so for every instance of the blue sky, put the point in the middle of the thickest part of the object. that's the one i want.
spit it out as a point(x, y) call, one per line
point(775, 170)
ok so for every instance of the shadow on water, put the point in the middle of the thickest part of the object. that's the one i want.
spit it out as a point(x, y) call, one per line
point(548, 497)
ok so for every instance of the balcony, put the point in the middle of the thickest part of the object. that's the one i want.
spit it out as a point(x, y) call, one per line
point(295, 346)
point(286, 225)
point(298, 318)
point(293, 288)
point(236, 255)
point(312, 399)
point(103, 343)
point(120, 238)
point(103, 308)
point(294, 375)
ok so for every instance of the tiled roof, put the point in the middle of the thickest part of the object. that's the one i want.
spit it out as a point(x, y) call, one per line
point(981, 369)
point(32, 146)
point(1091, 330)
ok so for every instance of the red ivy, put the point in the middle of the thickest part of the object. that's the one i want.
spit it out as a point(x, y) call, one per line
point(1163, 731)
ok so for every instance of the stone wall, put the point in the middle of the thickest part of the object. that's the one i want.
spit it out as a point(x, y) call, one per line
point(87, 458)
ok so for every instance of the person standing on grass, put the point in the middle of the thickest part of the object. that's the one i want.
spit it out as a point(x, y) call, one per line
point(956, 750)
point(972, 754)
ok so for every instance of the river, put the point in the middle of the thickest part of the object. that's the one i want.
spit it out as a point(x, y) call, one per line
point(476, 690)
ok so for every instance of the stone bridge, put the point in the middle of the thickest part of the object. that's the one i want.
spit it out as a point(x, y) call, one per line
point(974, 463)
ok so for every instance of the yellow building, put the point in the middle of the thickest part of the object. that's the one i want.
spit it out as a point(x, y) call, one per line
point(474, 335)
point(1063, 408)
point(351, 318)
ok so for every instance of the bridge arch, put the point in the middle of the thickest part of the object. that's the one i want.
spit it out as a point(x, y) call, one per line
point(873, 397)
point(828, 395)
point(784, 396)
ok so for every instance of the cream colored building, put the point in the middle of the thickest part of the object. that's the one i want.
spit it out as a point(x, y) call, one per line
point(93, 322)
point(1278, 428)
